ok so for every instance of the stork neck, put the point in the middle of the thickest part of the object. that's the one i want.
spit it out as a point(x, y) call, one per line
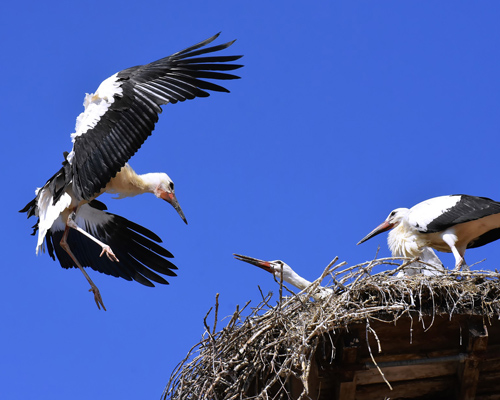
point(128, 183)
point(295, 280)
point(301, 284)
point(148, 182)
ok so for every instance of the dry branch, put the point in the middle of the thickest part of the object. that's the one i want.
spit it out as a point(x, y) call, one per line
point(256, 356)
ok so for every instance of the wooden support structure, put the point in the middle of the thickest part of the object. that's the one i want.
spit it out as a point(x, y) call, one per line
point(346, 388)
point(469, 370)
point(437, 358)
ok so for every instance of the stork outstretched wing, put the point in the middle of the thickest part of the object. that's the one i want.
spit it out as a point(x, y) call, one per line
point(123, 111)
point(141, 257)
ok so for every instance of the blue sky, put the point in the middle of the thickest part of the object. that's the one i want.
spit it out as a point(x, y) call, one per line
point(345, 110)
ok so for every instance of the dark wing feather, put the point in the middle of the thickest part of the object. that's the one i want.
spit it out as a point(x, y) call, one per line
point(57, 184)
point(486, 238)
point(141, 258)
point(102, 151)
point(30, 208)
point(469, 208)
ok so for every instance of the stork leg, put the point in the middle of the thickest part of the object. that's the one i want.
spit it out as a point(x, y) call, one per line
point(105, 248)
point(460, 259)
point(451, 239)
point(93, 287)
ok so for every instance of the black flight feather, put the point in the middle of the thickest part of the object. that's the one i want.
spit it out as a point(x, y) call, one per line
point(103, 150)
point(135, 246)
point(469, 208)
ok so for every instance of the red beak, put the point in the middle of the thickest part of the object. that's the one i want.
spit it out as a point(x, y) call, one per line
point(265, 265)
point(170, 197)
point(384, 226)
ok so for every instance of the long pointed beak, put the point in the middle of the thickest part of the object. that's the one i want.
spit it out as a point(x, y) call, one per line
point(170, 197)
point(384, 226)
point(265, 265)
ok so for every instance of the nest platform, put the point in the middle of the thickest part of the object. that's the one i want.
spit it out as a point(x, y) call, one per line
point(377, 336)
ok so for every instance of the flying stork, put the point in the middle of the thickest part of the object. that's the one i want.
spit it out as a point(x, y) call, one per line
point(451, 223)
point(117, 119)
point(279, 268)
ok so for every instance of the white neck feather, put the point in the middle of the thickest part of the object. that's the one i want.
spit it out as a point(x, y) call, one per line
point(404, 242)
point(127, 183)
point(294, 279)
point(291, 277)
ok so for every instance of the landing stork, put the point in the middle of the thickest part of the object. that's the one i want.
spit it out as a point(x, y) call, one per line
point(116, 121)
point(451, 223)
point(279, 268)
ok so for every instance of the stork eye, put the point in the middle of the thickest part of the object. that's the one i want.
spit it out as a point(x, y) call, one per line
point(171, 185)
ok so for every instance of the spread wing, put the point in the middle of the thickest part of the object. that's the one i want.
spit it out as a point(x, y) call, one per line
point(141, 257)
point(123, 111)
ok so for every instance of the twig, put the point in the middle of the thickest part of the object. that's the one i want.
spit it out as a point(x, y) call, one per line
point(368, 328)
point(256, 355)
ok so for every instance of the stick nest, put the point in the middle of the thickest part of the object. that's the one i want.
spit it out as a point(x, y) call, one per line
point(263, 350)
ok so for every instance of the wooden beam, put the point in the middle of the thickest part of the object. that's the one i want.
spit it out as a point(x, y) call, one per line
point(425, 370)
point(347, 379)
point(347, 391)
point(437, 388)
point(469, 372)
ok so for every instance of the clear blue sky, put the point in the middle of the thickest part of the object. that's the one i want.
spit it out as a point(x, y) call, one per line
point(345, 110)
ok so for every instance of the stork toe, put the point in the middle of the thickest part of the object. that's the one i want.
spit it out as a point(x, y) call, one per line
point(97, 297)
point(109, 253)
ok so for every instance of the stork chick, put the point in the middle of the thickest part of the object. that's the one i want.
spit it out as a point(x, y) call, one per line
point(279, 268)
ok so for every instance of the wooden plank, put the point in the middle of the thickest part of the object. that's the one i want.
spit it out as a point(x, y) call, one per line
point(314, 382)
point(469, 373)
point(408, 372)
point(473, 371)
point(488, 384)
point(407, 338)
point(409, 356)
point(495, 396)
point(346, 389)
point(490, 358)
point(441, 387)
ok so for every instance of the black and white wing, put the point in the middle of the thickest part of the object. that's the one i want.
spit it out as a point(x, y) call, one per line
point(123, 111)
point(444, 212)
point(140, 256)
point(50, 201)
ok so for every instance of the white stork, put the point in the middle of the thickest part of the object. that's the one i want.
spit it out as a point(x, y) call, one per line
point(116, 121)
point(279, 268)
point(451, 223)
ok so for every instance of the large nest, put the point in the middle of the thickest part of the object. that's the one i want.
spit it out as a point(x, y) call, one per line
point(273, 344)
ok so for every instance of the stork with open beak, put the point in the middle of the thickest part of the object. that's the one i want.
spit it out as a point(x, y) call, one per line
point(280, 269)
point(451, 223)
point(117, 119)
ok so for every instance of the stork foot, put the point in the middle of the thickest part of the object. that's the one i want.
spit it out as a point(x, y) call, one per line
point(461, 266)
point(107, 250)
point(97, 297)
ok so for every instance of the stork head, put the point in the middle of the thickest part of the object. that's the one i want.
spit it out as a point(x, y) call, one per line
point(393, 219)
point(274, 267)
point(164, 189)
